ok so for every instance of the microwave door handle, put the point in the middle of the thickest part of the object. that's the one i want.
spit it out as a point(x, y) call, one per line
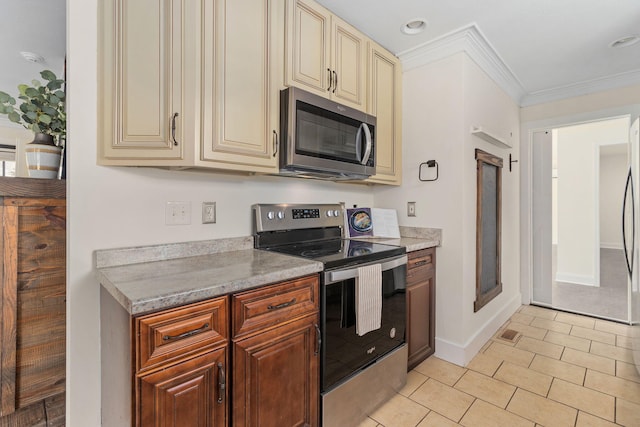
point(367, 150)
point(358, 146)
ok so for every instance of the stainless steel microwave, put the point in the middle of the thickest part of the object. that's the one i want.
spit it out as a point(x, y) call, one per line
point(323, 139)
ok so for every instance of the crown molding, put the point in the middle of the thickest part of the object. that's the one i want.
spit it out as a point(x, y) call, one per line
point(471, 41)
point(582, 88)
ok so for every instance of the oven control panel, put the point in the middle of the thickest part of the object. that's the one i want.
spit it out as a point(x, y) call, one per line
point(281, 217)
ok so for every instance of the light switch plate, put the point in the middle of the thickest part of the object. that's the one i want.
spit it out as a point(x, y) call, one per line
point(177, 213)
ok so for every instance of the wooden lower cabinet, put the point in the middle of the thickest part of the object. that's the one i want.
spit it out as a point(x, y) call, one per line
point(275, 376)
point(182, 357)
point(189, 394)
point(184, 367)
point(276, 361)
point(421, 281)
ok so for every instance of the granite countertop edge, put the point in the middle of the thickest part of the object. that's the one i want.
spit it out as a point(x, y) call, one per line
point(128, 274)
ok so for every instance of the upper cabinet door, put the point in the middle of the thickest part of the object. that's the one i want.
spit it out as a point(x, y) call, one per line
point(148, 47)
point(325, 55)
point(308, 47)
point(349, 61)
point(242, 79)
point(385, 102)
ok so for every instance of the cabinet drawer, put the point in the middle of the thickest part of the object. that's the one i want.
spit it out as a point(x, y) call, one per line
point(172, 334)
point(422, 258)
point(272, 305)
point(420, 263)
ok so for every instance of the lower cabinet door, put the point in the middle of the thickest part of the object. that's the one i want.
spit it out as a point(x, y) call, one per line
point(192, 393)
point(276, 376)
point(420, 320)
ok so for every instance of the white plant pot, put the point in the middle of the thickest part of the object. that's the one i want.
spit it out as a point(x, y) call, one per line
point(43, 161)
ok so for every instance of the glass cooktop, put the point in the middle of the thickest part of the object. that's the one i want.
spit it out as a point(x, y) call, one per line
point(340, 252)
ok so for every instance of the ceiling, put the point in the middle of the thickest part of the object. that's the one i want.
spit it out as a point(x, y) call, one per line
point(36, 26)
point(544, 49)
point(536, 50)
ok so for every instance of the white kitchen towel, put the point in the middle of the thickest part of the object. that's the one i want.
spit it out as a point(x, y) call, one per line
point(368, 299)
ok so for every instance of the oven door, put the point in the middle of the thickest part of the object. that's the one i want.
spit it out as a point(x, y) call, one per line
point(344, 352)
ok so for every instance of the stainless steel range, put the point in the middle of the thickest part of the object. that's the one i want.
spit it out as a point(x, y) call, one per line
point(358, 370)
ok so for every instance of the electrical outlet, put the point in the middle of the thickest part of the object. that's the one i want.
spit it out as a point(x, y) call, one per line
point(208, 212)
point(411, 208)
point(177, 213)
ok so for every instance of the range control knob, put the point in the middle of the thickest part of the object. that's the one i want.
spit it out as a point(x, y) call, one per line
point(280, 215)
point(271, 215)
point(336, 213)
point(329, 214)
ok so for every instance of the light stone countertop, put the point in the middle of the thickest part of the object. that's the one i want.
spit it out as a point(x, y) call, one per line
point(161, 284)
point(151, 278)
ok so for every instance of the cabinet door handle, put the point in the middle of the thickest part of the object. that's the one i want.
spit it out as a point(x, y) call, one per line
point(186, 334)
point(275, 143)
point(283, 305)
point(419, 263)
point(329, 81)
point(335, 81)
point(318, 339)
point(222, 382)
point(173, 128)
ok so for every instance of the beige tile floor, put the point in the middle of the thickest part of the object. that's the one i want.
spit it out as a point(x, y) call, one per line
point(562, 370)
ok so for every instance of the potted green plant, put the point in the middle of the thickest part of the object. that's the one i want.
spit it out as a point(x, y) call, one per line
point(42, 111)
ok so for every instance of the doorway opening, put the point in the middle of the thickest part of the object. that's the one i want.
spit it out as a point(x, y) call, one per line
point(579, 173)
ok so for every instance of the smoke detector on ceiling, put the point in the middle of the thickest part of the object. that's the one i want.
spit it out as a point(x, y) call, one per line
point(414, 26)
point(625, 41)
point(32, 57)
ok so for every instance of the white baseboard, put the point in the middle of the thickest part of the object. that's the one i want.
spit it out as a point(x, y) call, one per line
point(576, 279)
point(461, 355)
point(611, 246)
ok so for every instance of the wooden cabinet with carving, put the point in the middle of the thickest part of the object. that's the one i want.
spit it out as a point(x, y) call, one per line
point(325, 55)
point(276, 355)
point(181, 360)
point(384, 99)
point(421, 283)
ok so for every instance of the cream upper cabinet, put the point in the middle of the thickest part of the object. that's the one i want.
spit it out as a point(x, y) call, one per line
point(325, 55)
point(148, 78)
point(385, 102)
point(192, 84)
point(242, 69)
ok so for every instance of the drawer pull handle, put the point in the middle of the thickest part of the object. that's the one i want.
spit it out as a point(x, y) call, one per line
point(222, 382)
point(283, 305)
point(419, 263)
point(186, 334)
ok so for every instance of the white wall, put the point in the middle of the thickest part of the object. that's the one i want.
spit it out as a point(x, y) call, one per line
point(613, 175)
point(441, 101)
point(115, 207)
point(577, 206)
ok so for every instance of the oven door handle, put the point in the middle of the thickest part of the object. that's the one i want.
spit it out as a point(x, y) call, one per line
point(352, 273)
